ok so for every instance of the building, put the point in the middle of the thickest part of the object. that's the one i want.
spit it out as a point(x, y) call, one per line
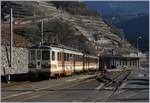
point(119, 62)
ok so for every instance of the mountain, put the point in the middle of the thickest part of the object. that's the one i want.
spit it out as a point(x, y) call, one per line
point(134, 27)
point(63, 23)
point(130, 16)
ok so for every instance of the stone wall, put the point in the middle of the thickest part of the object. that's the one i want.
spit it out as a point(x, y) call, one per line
point(20, 60)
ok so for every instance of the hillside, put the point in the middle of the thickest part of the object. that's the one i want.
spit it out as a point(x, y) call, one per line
point(18, 39)
point(84, 30)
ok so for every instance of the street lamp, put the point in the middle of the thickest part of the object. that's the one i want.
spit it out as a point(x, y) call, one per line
point(139, 37)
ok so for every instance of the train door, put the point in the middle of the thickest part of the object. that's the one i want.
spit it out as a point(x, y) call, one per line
point(72, 63)
point(38, 59)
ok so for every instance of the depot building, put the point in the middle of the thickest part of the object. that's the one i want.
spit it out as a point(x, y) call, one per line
point(119, 62)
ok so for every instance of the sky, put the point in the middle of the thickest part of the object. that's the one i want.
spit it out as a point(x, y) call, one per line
point(119, 7)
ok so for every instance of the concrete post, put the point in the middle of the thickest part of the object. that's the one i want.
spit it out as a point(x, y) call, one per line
point(11, 40)
point(10, 43)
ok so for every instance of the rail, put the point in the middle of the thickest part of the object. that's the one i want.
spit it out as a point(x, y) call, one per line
point(117, 86)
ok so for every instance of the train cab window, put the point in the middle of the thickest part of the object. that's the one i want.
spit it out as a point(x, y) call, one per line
point(32, 55)
point(53, 55)
point(38, 54)
point(120, 63)
point(45, 55)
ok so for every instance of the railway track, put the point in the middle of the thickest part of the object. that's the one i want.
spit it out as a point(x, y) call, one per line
point(117, 84)
point(111, 85)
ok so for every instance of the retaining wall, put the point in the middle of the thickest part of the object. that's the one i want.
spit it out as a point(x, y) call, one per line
point(20, 61)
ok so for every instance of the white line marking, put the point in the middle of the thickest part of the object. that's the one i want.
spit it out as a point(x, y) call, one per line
point(34, 90)
point(69, 80)
point(16, 95)
point(31, 97)
point(28, 92)
point(100, 86)
point(75, 101)
point(122, 85)
point(140, 75)
point(133, 94)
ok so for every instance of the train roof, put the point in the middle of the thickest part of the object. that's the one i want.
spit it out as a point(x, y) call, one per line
point(53, 46)
point(40, 47)
point(58, 48)
point(91, 56)
point(61, 48)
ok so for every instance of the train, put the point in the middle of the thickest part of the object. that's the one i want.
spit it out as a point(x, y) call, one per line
point(58, 61)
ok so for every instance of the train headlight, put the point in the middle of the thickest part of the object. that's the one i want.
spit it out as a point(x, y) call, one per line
point(31, 65)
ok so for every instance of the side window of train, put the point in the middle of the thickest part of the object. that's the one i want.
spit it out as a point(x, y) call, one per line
point(58, 56)
point(68, 56)
point(53, 55)
point(65, 56)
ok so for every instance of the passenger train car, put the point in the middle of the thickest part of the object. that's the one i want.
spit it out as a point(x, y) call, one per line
point(52, 61)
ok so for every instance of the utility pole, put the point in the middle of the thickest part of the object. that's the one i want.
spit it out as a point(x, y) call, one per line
point(42, 32)
point(137, 42)
point(10, 43)
point(11, 39)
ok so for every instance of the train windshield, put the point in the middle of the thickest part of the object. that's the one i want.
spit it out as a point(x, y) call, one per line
point(45, 55)
point(32, 55)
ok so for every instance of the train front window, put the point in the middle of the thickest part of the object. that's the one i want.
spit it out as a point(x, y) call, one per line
point(45, 55)
point(38, 54)
point(32, 55)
